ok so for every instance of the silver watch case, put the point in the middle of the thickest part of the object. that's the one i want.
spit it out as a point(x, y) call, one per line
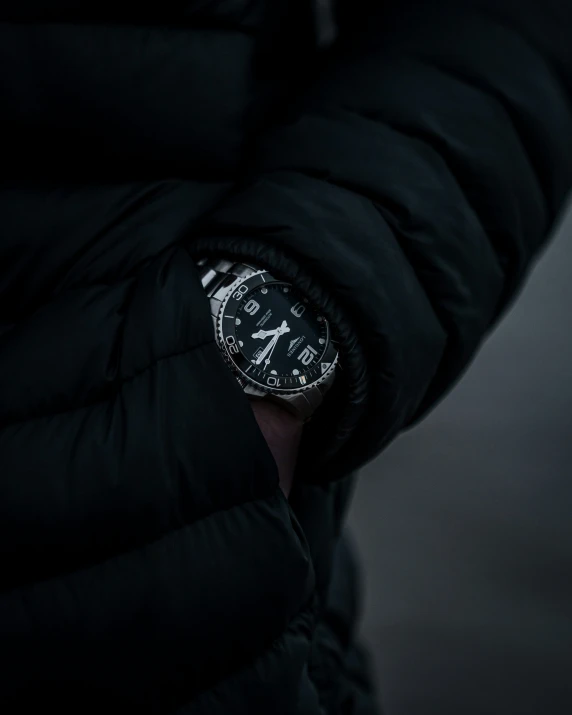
point(302, 400)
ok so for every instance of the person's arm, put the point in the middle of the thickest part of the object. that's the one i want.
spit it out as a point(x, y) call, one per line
point(407, 192)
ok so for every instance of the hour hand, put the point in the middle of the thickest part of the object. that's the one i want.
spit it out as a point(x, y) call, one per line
point(264, 333)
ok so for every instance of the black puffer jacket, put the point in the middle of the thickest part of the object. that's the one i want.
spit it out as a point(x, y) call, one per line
point(404, 177)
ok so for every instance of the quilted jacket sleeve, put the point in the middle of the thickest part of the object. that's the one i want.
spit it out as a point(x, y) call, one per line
point(407, 189)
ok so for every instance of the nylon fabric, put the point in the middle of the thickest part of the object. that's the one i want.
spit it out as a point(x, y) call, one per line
point(404, 176)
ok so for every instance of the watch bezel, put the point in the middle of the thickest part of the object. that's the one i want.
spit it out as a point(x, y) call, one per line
point(226, 327)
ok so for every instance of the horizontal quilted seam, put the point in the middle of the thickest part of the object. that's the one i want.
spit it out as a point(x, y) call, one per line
point(275, 495)
point(526, 37)
point(124, 381)
point(307, 613)
point(494, 93)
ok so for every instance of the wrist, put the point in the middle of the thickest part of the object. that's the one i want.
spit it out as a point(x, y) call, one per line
point(282, 432)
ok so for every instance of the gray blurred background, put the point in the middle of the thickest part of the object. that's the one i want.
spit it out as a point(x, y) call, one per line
point(464, 526)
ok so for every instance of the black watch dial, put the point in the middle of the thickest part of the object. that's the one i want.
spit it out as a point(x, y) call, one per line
point(275, 337)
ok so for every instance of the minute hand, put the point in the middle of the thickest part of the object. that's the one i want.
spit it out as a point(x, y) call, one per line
point(267, 349)
point(280, 331)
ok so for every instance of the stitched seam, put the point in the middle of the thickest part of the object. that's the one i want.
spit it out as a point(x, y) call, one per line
point(495, 94)
point(242, 668)
point(100, 401)
point(504, 22)
point(445, 155)
point(143, 545)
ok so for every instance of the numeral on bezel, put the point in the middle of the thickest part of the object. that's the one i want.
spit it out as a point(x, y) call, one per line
point(240, 291)
point(231, 344)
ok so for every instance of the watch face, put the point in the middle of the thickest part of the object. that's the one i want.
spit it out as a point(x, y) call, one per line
point(274, 337)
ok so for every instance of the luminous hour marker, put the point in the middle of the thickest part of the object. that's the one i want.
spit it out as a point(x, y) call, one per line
point(320, 319)
point(286, 290)
point(241, 343)
point(295, 372)
point(302, 379)
point(238, 321)
point(273, 372)
point(322, 341)
point(264, 290)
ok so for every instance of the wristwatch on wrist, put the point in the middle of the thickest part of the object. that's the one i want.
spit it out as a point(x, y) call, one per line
point(277, 344)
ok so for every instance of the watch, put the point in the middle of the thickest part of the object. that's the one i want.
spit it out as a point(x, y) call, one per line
point(278, 345)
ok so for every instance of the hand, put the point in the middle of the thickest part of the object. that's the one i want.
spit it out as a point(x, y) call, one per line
point(267, 349)
point(266, 333)
point(282, 432)
point(270, 347)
